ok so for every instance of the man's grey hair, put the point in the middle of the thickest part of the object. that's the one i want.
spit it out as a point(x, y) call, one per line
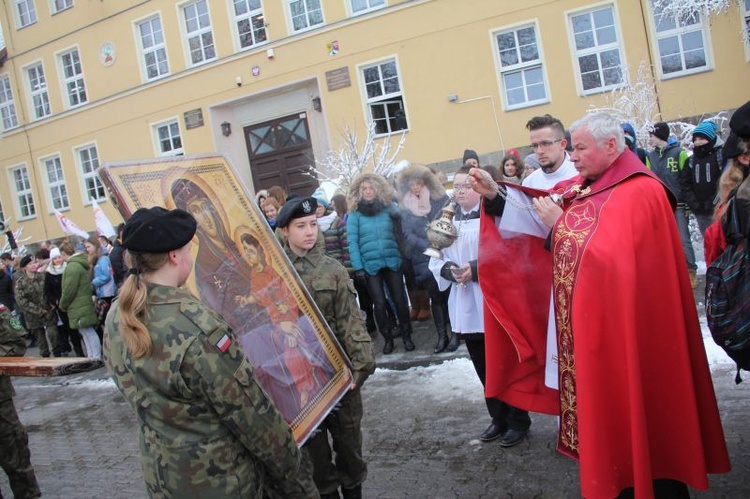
point(601, 126)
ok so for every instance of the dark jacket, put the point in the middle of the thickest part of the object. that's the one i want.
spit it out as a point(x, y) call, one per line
point(118, 262)
point(414, 227)
point(6, 289)
point(700, 179)
point(667, 163)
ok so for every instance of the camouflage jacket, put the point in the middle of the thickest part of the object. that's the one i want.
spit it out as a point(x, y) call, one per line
point(333, 292)
point(30, 299)
point(12, 344)
point(207, 429)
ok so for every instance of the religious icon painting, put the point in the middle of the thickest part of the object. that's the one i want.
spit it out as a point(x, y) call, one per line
point(242, 273)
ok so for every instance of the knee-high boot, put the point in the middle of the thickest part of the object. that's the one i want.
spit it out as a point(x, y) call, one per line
point(388, 345)
point(406, 335)
point(414, 310)
point(423, 296)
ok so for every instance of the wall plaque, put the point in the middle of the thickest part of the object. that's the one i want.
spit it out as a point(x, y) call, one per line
point(338, 78)
point(193, 118)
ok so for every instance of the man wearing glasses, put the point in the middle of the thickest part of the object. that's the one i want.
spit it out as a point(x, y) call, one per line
point(547, 136)
point(522, 379)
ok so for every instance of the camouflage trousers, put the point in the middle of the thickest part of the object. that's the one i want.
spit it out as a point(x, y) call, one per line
point(347, 469)
point(47, 341)
point(15, 458)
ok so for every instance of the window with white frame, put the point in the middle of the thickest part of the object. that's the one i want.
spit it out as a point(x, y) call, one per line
point(38, 91)
point(169, 141)
point(7, 105)
point(153, 48)
point(24, 197)
point(305, 14)
point(385, 100)
point(200, 37)
point(597, 49)
point(251, 25)
point(26, 12)
point(88, 162)
point(58, 192)
point(681, 44)
point(521, 67)
point(75, 87)
point(61, 5)
point(360, 6)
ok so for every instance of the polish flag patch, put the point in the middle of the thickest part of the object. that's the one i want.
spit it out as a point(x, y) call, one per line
point(223, 343)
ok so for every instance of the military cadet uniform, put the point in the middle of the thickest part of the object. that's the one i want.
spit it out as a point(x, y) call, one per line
point(207, 429)
point(15, 458)
point(36, 312)
point(333, 292)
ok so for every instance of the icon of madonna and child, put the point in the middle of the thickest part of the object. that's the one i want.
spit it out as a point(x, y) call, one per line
point(234, 277)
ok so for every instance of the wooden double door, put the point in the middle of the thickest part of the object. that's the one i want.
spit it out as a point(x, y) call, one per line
point(281, 153)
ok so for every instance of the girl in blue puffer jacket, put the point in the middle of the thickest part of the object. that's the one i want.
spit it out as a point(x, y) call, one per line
point(373, 229)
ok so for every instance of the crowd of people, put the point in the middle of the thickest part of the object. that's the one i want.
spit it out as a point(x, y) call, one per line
point(61, 294)
point(601, 225)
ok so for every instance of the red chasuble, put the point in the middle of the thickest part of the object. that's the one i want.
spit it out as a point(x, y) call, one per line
point(637, 400)
point(515, 275)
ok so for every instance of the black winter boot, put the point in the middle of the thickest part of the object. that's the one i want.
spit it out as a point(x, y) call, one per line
point(442, 342)
point(353, 493)
point(406, 335)
point(388, 346)
point(453, 343)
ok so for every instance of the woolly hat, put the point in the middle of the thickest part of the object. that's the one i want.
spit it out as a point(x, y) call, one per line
point(660, 131)
point(156, 230)
point(740, 121)
point(54, 253)
point(629, 132)
point(513, 152)
point(706, 129)
point(25, 261)
point(532, 160)
point(732, 147)
point(470, 154)
point(297, 207)
point(321, 197)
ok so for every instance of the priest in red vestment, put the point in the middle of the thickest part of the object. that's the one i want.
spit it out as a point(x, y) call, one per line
point(637, 404)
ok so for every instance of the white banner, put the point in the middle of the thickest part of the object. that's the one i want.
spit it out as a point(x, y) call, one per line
point(69, 227)
point(103, 225)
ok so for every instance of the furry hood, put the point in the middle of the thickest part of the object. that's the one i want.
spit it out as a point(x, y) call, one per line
point(416, 171)
point(385, 191)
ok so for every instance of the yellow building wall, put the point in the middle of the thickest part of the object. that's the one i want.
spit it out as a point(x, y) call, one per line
point(440, 50)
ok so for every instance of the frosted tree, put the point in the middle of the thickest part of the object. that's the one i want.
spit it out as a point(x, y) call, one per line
point(635, 102)
point(355, 156)
point(684, 10)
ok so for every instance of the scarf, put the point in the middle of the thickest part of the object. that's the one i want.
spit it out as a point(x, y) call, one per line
point(370, 208)
point(419, 205)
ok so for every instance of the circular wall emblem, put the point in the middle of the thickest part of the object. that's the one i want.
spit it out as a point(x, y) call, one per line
point(107, 54)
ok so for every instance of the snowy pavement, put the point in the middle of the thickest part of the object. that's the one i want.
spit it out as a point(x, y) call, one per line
point(423, 417)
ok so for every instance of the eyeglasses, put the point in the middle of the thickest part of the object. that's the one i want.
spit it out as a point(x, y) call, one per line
point(545, 144)
point(466, 186)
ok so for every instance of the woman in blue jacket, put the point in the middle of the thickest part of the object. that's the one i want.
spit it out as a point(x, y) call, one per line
point(373, 229)
point(103, 278)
